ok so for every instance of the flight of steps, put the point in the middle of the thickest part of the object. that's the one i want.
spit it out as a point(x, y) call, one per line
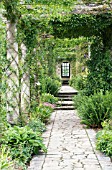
point(65, 101)
point(65, 82)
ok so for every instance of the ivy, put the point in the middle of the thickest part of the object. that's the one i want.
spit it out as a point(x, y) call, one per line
point(50, 2)
point(28, 25)
point(53, 32)
point(40, 23)
point(84, 24)
point(100, 68)
point(12, 12)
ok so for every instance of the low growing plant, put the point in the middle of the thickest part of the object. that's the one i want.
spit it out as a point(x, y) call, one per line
point(22, 142)
point(94, 109)
point(5, 161)
point(36, 125)
point(47, 97)
point(42, 112)
point(104, 139)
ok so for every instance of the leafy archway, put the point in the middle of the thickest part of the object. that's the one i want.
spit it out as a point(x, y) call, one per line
point(40, 23)
point(40, 33)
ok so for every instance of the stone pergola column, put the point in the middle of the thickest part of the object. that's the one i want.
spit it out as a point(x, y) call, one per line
point(17, 76)
point(25, 82)
point(12, 73)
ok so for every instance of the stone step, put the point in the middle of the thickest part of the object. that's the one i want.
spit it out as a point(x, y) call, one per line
point(65, 103)
point(65, 82)
point(65, 108)
point(67, 93)
point(65, 99)
point(65, 96)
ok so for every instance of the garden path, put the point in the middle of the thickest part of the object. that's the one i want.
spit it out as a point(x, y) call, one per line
point(70, 145)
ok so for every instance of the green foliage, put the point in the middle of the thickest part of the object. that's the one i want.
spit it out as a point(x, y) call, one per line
point(78, 23)
point(104, 139)
point(96, 1)
point(72, 50)
point(94, 109)
point(47, 97)
point(52, 86)
point(49, 85)
point(100, 68)
point(42, 113)
point(36, 26)
point(63, 2)
point(3, 121)
point(5, 161)
point(22, 142)
point(29, 33)
point(12, 12)
point(107, 125)
point(3, 65)
point(78, 99)
point(36, 125)
point(78, 82)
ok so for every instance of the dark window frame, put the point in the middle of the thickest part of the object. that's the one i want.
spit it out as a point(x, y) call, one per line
point(65, 66)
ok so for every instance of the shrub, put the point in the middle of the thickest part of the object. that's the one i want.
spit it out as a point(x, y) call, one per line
point(94, 109)
point(104, 139)
point(78, 99)
point(49, 85)
point(36, 125)
point(22, 142)
point(42, 113)
point(52, 86)
point(46, 97)
point(78, 82)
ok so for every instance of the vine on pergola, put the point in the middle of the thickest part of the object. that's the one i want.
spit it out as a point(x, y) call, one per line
point(40, 23)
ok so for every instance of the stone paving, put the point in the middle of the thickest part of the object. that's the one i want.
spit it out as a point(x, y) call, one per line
point(67, 89)
point(70, 146)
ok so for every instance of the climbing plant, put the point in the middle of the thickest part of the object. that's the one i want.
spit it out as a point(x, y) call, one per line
point(3, 64)
point(45, 32)
point(93, 26)
point(58, 19)
point(100, 68)
point(39, 21)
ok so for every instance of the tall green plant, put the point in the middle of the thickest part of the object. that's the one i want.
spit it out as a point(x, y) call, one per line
point(94, 109)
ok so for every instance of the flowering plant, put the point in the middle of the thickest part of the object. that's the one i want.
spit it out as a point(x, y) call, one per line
point(49, 105)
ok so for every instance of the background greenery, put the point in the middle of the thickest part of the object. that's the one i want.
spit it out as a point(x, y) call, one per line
point(52, 31)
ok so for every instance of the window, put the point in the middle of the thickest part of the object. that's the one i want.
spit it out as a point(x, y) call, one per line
point(65, 69)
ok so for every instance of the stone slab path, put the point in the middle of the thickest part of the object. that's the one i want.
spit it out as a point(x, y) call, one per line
point(70, 146)
point(67, 89)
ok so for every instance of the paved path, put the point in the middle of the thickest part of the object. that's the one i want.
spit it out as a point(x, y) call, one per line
point(67, 89)
point(70, 146)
